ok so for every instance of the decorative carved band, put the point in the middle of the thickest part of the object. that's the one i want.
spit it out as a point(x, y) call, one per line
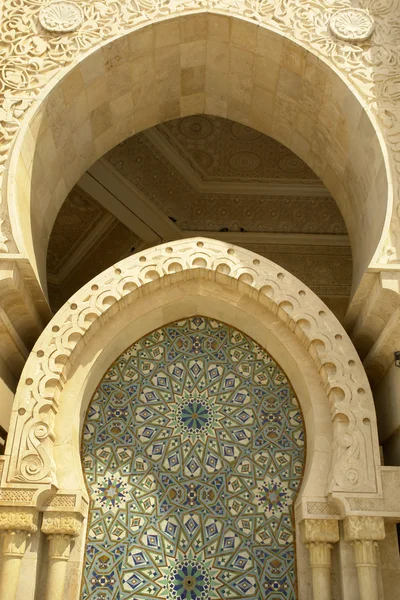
point(18, 518)
point(47, 368)
point(62, 523)
point(320, 530)
point(364, 528)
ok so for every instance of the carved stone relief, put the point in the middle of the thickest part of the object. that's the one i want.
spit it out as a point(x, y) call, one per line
point(61, 17)
point(30, 56)
point(356, 447)
point(353, 25)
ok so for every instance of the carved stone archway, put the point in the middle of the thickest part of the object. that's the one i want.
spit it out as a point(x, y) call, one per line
point(30, 452)
point(41, 470)
point(279, 69)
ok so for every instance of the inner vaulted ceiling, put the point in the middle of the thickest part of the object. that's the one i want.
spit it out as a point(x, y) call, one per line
point(201, 175)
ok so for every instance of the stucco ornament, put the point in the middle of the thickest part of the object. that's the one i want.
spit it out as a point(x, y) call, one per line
point(352, 25)
point(61, 17)
point(355, 455)
point(370, 69)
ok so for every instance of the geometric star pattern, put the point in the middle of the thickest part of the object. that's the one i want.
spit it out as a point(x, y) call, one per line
point(193, 454)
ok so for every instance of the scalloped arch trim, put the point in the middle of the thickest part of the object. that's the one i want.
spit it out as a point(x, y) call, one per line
point(356, 450)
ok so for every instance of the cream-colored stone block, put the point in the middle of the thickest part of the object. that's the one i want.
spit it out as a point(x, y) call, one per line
point(215, 105)
point(269, 45)
point(310, 98)
point(241, 87)
point(147, 116)
point(170, 109)
point(119, 81)
point(193, 27)
point(217, 83)
point(93, 67)
point(166, 33)
point(169, 88)
point(96, 92)
point(143, 68)
point(266, 73)
point(289, 84)
point(72, 85)
point(192, 104)
point(167, 60)
point(293, 57)
point(218, 28)
point(142, 92)
point(141, 42)
point(241, 61)
point(193, 54)
point(243, 35)
point(300, 146)
point(217, 56)
point(122, 107)
point(101, 119)
point(263, 102)
point(116, 53)
point(238, 111)
point(192, 80)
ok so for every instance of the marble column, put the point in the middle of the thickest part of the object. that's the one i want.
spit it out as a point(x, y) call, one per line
point(364, 534)
point(16, 526)
point(61, 528)
point(319, 535)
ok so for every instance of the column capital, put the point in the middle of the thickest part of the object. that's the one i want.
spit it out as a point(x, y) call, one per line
point(364, 528)
point(18, 518)
point(319, 530)
point(62, 523)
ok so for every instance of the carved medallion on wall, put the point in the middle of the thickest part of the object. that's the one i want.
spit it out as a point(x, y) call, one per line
point(352, 25)
point(61, 17)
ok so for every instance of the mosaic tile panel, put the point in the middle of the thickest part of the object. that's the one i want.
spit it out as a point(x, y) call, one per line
point(193, 453)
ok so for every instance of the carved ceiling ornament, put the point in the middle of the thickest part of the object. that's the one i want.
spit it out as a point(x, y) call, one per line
point(356, 451)
point(352, 25)
point(29, 59)
point(61, 17)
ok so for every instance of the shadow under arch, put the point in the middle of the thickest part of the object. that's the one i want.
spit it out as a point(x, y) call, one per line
point(200, 63)
point(182, 279)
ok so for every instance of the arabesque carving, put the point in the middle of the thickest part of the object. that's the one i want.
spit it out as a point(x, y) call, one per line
point(346, 385)
point(364, 528)
point(18, 518)
point(30, 56)
point(320, 530)
point(62, 523)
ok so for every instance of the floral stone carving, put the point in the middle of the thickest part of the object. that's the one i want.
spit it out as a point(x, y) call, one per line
point(61, 17)
point(352, 25)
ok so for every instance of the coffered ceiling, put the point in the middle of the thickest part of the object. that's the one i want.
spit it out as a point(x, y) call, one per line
point(201, 175)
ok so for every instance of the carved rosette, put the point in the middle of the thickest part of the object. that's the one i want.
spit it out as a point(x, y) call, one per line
point(62, 523)
point(61, 17)
point(352, 25)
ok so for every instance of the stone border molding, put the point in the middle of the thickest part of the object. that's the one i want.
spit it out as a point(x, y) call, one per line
point(29, 453)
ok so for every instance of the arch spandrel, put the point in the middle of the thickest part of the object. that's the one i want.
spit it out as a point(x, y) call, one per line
point(235, 277)
point(321, 109)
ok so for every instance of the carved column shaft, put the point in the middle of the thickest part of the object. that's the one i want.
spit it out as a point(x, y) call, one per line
point(61, 529)
point(319, 535)
point(364, 533)
point(16, 526)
